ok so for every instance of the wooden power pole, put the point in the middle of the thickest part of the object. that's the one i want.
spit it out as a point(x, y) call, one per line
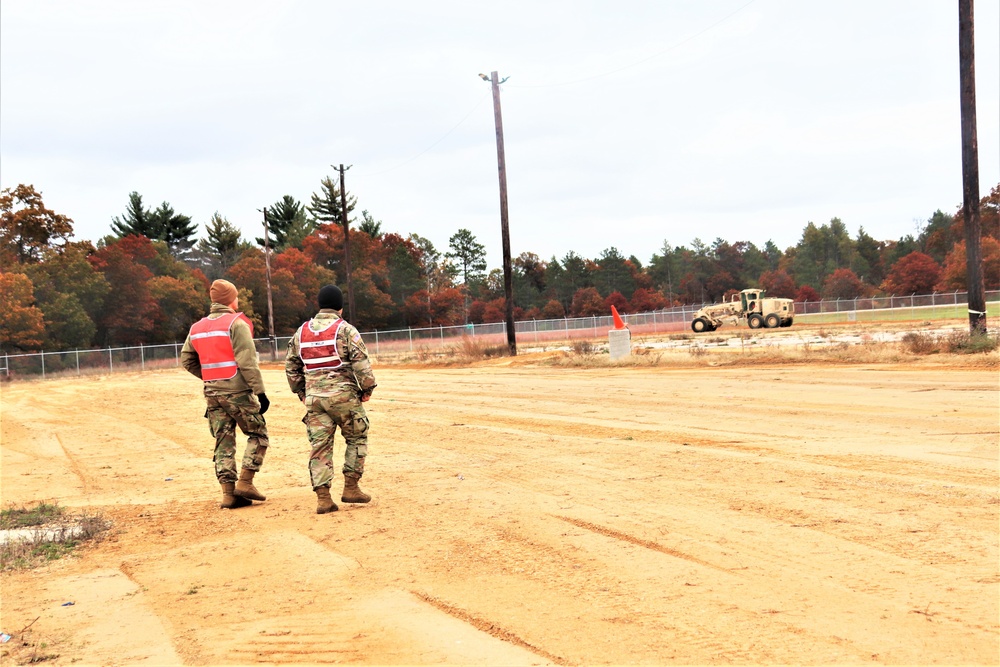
point(970, 168)
point(508, 283)
point(347, 246)
point(270, 306)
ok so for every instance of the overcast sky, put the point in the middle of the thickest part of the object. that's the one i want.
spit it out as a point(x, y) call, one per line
point(626, 123)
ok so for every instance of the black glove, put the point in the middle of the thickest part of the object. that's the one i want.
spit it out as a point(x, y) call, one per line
point(264, 403)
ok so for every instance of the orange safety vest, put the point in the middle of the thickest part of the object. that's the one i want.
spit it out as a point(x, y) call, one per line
point(318, 349)
point(210, 339)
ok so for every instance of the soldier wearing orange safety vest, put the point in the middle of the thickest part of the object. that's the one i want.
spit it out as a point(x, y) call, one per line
point(327, 367)
point(219, 350)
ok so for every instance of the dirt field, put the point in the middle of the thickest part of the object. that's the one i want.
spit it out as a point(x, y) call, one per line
point(527, 515)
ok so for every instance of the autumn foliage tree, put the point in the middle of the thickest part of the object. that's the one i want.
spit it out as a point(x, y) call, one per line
point(21, 322)
point(586, 302)
point(843, 284)
point(129, 313)
point(778, 284)
point(70, 293)
point(954, 275)
point(916, 273)
point(27, 227)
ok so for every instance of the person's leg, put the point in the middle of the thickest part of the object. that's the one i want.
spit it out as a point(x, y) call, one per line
point(320, 427)
point(251, 422)
point(222, 424)
point(355, 429)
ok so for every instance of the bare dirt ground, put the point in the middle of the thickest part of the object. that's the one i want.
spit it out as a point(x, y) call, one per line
point(527, 515)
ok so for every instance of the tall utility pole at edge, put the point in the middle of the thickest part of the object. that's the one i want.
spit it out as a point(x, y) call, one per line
point(508, 283)
point(347, 246)
point(970, 168)
point(270, 307)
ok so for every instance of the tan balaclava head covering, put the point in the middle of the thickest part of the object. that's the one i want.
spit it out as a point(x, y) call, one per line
point(223, 292)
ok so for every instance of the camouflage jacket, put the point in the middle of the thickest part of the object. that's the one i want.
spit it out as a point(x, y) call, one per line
point(248, 376)
point(354, 377)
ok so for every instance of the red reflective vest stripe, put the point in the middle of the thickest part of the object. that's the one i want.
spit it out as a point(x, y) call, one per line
point(211, 340)
point(318, 349)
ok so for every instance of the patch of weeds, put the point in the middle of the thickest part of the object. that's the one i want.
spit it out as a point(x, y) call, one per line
point(697, 351)
point(192, 590)
point(964, 342)
point(476, 348)
point(920, 342)
point(583, 347)
point(53, 533)
point(25, 517)
point(24, 649)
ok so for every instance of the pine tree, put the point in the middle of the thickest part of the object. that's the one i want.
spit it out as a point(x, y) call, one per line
point(370, 225)
point(223, 240)
point(175, 229)
point(470, 255)
point(287, 224)
point(325, 207)
point(137, 220)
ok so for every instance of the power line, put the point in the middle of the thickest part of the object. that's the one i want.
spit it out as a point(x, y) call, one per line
point(443, 137)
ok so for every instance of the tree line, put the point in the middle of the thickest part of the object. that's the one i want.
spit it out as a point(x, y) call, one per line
point(147, 280)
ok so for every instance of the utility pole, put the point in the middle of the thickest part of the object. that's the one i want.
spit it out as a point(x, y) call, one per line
point(270, 306)
point(347, 246)
point(508, 282)
point(970, 168)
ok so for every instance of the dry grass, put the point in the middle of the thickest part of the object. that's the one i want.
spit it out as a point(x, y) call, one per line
point(51, 534)
point(955, 349)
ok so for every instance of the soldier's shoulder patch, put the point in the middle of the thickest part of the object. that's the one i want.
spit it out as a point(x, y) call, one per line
point(357, 337)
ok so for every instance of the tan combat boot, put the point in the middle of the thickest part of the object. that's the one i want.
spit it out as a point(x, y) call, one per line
point(245, 488)
point(324, 503)
point(230, 501)
point(353, 494)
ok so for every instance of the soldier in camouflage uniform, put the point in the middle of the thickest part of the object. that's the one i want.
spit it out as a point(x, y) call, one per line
point(219, 350)
point(327, 367)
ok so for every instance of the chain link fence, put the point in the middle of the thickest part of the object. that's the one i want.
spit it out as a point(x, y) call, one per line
point(528, 332)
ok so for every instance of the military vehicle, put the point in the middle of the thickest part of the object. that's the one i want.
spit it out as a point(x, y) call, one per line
point(751, 306)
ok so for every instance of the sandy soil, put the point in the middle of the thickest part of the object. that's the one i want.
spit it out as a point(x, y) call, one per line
point(528, 515)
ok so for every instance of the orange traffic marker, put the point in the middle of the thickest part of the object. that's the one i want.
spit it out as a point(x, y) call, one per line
point(618, 318)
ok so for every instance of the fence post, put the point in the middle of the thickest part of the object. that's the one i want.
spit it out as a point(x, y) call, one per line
point(6, 363)
point(142, 358)
point(77, 361)
point(111, 362)
point(43, 365)
point(177, 356)
point(376, 342)
point(411, 339)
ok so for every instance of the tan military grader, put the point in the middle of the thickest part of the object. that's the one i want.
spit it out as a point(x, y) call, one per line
point(750, 305)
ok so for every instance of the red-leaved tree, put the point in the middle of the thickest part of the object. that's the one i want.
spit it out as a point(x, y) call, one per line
point(915, 273)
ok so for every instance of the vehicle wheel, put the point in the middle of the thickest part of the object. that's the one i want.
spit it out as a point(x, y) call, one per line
point(772, 321)
point(755, 321)
point(700, 324)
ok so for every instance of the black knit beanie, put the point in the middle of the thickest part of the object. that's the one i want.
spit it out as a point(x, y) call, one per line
point(331, 297)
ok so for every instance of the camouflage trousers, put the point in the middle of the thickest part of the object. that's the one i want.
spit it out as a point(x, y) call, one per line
point(323, 415)
point(225, 413)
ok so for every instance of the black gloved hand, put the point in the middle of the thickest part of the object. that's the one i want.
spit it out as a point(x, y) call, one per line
point(264, 403)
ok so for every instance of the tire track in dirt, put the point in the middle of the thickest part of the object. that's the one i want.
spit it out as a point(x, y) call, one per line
point(488, 627)
point(74, 465)
point(647, 544)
